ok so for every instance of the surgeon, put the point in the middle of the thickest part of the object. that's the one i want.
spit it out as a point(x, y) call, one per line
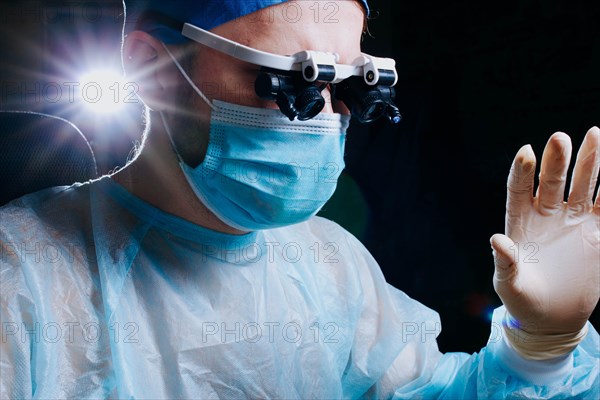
point(200, 271)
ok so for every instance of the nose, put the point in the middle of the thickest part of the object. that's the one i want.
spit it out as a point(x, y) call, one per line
point(333, 105)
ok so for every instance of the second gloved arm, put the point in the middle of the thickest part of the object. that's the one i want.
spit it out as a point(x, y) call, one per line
point(548, 263)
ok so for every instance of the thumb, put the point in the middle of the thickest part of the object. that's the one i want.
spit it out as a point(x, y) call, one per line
point(504, 258)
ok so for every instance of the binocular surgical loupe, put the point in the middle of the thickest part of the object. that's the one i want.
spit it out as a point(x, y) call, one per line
point(295, 82)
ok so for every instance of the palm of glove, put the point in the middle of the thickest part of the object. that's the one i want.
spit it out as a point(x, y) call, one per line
point(548, 264)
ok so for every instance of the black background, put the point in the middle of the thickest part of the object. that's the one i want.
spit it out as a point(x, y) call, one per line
point(477, 80)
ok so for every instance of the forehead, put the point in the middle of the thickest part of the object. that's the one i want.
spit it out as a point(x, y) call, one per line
point(290, 27)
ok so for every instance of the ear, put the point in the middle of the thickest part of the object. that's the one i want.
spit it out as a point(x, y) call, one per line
point(144, 61)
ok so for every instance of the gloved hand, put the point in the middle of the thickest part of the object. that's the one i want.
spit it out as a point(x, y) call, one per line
point(548, 263)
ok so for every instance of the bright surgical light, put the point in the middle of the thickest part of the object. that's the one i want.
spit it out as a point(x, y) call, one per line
point(105, 91)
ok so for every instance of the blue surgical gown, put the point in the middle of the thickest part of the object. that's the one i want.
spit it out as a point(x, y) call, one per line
point(105, 296)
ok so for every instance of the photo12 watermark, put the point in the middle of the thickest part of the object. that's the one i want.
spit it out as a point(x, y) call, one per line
point(69, 332)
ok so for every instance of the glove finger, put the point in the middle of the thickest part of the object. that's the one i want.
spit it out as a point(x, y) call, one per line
point(519, 193)
point(553, 173)
point(585, 173)
point(506, 280)
point(504, 257)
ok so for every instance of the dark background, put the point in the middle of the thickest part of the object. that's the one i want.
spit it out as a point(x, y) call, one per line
point(477, 80)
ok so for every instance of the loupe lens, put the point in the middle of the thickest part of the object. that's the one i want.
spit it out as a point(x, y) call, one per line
point(372, 112)
point(369, 108)
point(309, 103)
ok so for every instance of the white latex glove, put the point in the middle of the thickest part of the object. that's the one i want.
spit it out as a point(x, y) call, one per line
point(548, 263)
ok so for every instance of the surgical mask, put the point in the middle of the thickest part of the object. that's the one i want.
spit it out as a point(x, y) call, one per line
point(262, 170)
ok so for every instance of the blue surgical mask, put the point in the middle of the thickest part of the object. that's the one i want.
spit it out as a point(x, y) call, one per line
point(262, 170)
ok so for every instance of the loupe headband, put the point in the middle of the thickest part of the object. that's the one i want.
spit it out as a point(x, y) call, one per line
point(314, 65)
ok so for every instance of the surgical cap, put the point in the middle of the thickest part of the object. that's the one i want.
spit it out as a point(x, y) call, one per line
point(164, 19)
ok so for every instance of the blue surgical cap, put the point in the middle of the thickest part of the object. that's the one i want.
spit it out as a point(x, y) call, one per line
point(164, 19)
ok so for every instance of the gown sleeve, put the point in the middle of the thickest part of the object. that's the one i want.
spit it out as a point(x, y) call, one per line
point(17, 313)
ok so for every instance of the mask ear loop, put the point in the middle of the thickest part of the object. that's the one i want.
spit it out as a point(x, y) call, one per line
point(196, 89)
point(168, 130)
point(187, 78)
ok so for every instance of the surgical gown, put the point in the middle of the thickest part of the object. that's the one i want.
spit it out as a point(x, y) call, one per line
point(105, 296)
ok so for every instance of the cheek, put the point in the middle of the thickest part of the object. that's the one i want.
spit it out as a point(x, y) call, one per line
point(233, 88)
point(229, 82)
